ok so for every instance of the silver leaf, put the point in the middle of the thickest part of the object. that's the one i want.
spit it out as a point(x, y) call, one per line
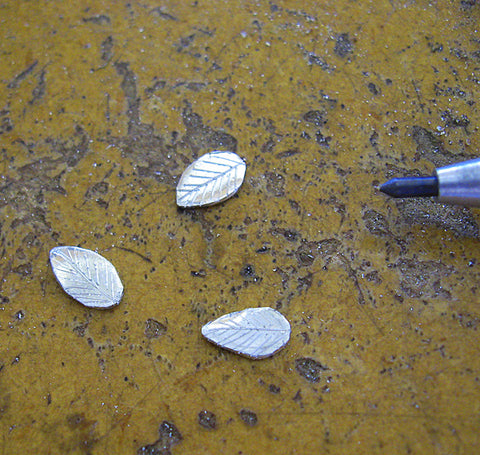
point(86, 276)
point(210, 179)
point(255, 332)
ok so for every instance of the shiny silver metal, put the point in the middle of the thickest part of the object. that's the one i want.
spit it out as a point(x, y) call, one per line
point(86, 276)
point(460, 183)
point(255, 332)
point(210, 179)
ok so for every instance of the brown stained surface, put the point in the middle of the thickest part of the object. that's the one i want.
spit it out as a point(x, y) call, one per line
point(103, 104)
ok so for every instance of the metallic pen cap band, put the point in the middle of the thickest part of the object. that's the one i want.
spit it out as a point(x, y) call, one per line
point(460, 183)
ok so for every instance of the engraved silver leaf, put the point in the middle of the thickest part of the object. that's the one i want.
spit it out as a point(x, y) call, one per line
point(255, 332)
point(210, 179)
point(86, 276)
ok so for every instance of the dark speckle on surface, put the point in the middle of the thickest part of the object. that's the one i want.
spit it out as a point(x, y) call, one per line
point(373, 139)
point(318, 118)
point(452, 121)
point(248, 272)
point(169, 434)
point(275, 183)
point(273, 388)
point(99, 19)
point(83, 430)
point(6, 123)
point(314, 59)
point(198, 273)
point(309, 368)
point(107, 49)
point(343, 45)
point(373, 88)
point(168, 437)
point(75, 420)
point(467, 4)
point(24, 270)
point(288, 234)
point(163, 14)
point(249, 417)
point(154, 329)
point(376, 223)
point(38, 91)
point(306, 254)
point(322, 139)
point(150, 449)
point(207, 419)
point(15, 82)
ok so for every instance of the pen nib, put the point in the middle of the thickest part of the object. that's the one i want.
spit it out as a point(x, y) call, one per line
point(411, 187)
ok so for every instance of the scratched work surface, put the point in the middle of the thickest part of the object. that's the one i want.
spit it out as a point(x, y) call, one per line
point(102, 106)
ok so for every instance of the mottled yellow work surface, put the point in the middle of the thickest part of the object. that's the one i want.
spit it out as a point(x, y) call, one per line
point(102, 106)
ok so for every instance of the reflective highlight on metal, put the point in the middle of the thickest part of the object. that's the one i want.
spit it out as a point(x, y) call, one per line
point(460, 183)
point(86, 276)
point(210, 179)
point(255, 332)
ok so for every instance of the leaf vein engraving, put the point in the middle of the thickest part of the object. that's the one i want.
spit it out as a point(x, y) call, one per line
point(86, 276)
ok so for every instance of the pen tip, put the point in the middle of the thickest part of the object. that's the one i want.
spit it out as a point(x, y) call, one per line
point(389, 188)
point(411, 187)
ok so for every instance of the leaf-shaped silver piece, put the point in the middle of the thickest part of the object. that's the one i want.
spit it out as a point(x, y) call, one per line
point(255, 332)
point(86, 276)
point(211, 179)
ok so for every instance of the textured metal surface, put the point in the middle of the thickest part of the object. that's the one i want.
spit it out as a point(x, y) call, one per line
point(86, 276)
point(255, 332)
point(210, 179)
point(460, 183)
